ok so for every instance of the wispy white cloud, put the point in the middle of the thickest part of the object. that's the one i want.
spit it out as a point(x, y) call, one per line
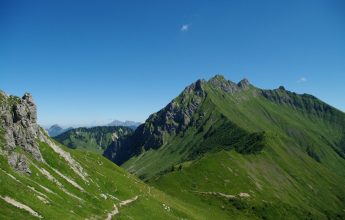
point(185, 27)
point(302, 80)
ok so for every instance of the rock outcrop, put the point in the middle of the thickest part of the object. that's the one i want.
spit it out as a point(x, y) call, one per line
point(244, 84)
point(18, 125)
point(218, 81)
point(174, 118)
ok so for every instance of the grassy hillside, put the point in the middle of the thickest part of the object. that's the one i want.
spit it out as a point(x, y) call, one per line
point(282, 151)
point(95, 139)
point(256, 187)
point(54, 190)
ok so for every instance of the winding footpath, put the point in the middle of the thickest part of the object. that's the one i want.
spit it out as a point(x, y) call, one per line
point(115, 211)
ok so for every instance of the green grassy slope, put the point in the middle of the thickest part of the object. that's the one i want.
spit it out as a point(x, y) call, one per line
point(105, 185)
point(95, 139)
point(275, 190)
point(284, 150)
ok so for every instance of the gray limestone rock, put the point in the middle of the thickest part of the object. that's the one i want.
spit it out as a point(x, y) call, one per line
point(218, 81)
point(19, 162)
point(244, 84)
point(18, 125)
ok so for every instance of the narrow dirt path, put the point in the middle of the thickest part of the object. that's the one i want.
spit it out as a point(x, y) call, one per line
point(128, 201)
point(112, 213)
point(241, 194)
point(116, 211)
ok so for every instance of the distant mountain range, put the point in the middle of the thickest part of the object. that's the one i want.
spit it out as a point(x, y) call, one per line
point(131, 124)
point(95, 139)
point(56, 130)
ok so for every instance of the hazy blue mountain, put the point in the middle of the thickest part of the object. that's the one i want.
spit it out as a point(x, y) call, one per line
point(131, 124)
point(56, 130)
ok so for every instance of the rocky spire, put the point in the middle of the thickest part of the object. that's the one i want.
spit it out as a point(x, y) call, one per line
point(18, 120)
point(196, 87)
point(228, 86)
point(244, 83)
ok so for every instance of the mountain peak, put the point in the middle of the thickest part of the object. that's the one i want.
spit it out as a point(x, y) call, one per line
point(55, 126)
point(195, 87)
point(219, 81)
point(217, 77)
point(27, 96)
point(281, 88)
point(244, 83)
point(56, 130)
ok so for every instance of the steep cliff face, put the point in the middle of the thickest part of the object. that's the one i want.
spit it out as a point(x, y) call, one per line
point(18, 125)
point(173, 119)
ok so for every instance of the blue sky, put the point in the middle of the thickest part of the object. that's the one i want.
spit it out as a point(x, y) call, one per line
point(91, 62)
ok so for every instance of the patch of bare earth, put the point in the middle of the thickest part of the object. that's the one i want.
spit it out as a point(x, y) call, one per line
point(19, 205)
point(116, 211)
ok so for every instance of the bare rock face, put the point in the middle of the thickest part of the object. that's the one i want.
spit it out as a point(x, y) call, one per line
point(244, 84)
point(172, 119)
point(18, 125)
point(19, 162)
point(218, 81)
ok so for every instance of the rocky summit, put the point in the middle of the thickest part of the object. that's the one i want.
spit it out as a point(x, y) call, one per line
point(18, 122)
point(228, 86)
